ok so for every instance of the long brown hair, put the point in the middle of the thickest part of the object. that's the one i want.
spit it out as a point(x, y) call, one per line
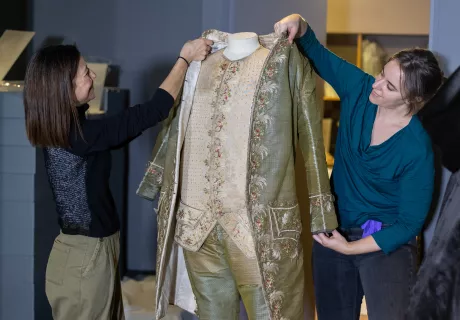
point(49, 102)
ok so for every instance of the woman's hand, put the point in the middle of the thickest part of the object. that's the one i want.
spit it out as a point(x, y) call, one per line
point(335, 242)
point(294, 25)
point(338, 243)
point(196, 50)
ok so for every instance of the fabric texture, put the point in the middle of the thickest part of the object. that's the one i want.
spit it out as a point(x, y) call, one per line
point(441, 119)
point(79, 176)
point(220, 273)
point(82, 278)
point(391, 182)
point(436, 293)
point(284, 114)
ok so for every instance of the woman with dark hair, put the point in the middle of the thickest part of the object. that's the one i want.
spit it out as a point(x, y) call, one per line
point(82, 280)
point(382, 179)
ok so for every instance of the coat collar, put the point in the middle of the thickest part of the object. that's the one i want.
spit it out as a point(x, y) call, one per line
point(220, 39)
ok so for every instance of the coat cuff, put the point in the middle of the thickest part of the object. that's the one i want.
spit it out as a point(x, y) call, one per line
point(151, 183)
point(322, 212)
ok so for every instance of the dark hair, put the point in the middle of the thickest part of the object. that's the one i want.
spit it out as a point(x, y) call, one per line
point(49, 98)
point(422, 76)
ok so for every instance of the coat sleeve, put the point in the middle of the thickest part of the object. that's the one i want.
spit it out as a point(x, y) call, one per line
point(153, 177)
point(309, 130)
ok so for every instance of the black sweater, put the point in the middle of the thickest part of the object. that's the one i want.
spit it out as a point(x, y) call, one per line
point(79, 176)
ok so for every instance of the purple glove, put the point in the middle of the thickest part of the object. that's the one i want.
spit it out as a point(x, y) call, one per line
point(371, 226)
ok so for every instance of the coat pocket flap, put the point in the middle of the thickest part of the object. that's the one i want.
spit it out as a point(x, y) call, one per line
point(188, 215)
point(285, 222)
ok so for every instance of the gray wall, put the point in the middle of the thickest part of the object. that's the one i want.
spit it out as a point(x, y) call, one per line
point(444, 35)
point(445, 42)
point(17, 208)
point(149, 39)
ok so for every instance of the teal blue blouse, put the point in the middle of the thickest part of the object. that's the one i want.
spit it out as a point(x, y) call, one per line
point(391, 182)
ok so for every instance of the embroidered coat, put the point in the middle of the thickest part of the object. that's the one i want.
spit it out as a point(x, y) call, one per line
point(284, 115)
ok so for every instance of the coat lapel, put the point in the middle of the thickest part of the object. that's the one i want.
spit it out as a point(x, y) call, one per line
point(191, 80)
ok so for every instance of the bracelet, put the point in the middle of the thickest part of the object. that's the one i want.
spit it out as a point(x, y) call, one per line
point(188, 64)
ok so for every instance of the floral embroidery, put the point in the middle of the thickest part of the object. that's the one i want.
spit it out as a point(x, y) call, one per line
point(162, 221)
point(151, 182)
point(191, 225)
point(235, 67)
point(225, 91)
point(285, 222)
point(155, 172)
point(268, 252)
point(216, 158)
point(221, 108)
point(223, 66)
point(215, 35)
point(324, 201)
point(215, 176)
point(220, 121)
point(321, 207)
point(187, 215)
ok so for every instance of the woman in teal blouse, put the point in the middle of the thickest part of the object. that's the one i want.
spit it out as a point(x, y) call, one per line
point(382, 178)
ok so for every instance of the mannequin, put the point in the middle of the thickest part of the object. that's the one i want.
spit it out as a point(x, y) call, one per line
point(241, 45)
point(229, 223)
